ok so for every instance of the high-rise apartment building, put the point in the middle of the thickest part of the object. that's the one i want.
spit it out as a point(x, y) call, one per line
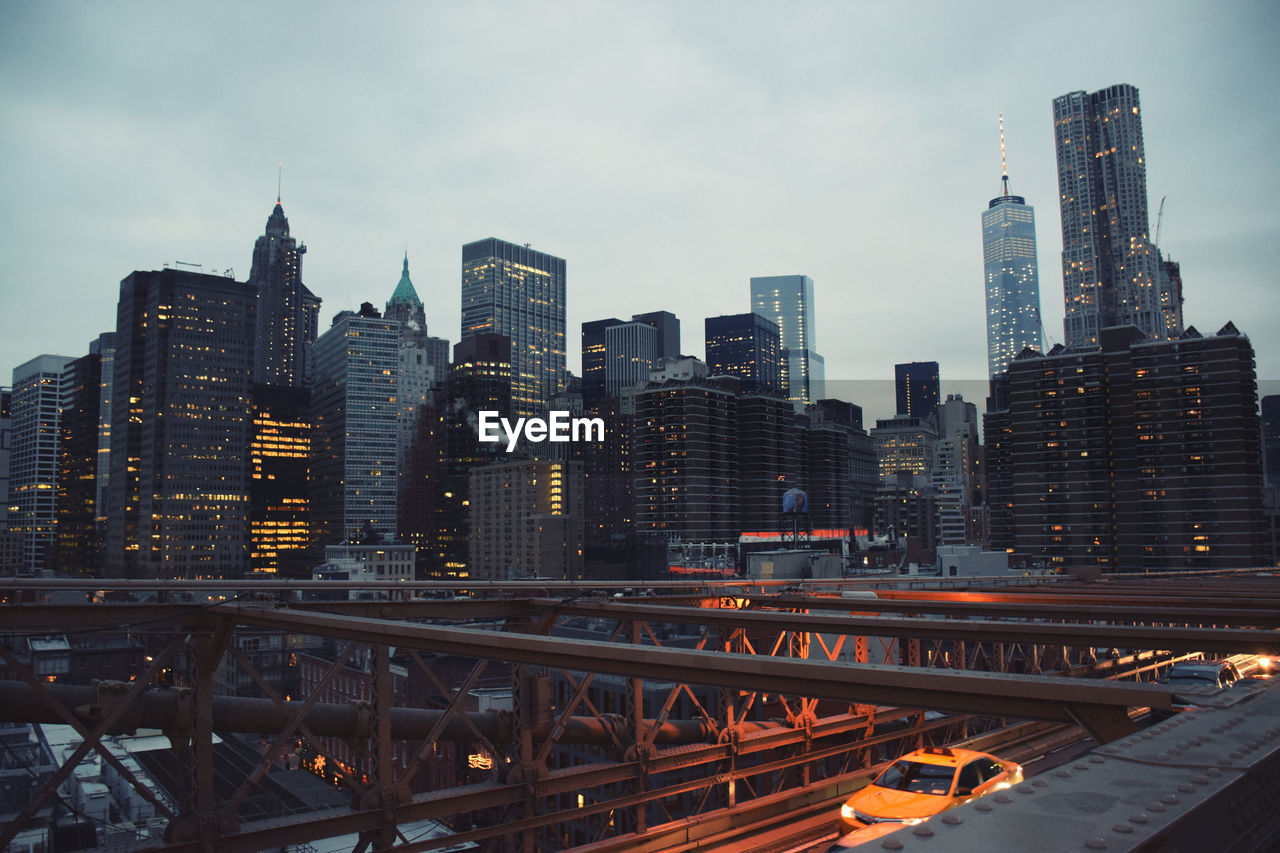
point(526, 520)
point(354, 474)
point(905, 443)
point(180, 426)
point(1270, 406)
point(1011, 275)
point(33, 459)
point(787, 300)
point(1138, 456)
point(6, 443)
point(917, 388)
point(1110, 270)
point(746, 346)
point(288, 314)
point(519, 293)
point(630, 352)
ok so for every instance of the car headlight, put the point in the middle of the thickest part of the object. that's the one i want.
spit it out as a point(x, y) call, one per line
point(847, 812)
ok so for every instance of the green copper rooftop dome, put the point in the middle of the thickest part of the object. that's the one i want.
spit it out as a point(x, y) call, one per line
point(405, 291)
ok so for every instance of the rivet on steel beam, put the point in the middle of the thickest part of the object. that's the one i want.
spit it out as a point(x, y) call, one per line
point(1138, 818)
point(892, 844)
point(1040, 783)
point(1062, 774)
point(1155, 807)
point(1186, 788)
point(1200, 780)
point(922, 831)
point(1095, 759)
point(1112, 750)
point(951, 820)
point(1081, 766)
point(1122, 827)
point(1213, 771)
point(1096, 844)
point(983, 807)
point(1003, 798)
point(1168, 798)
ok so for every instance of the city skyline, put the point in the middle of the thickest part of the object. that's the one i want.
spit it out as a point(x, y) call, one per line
point(725, 160)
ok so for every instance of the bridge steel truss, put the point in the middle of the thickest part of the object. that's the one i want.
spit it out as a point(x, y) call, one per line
point(791, 707)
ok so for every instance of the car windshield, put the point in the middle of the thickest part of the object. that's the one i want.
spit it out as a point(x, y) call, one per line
point(1209, 675)
point(918, 778)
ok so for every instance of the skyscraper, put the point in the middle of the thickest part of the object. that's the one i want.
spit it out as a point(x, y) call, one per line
point(917, 388)
point(787, 300)
point(1138, 456)
point(354, 476)
point(746, 346)
point(630, 350)
point(593, 359)
point(180, 426)
point(288, 313)
point(280, 482)
point(1012, 279)
point(423, 361)
point(79, 549)
point(519, 293)
point(1110, 271)
point(33, 460)
point(668, 328)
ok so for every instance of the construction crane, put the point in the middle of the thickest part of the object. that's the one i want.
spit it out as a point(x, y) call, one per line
point(1155, 244)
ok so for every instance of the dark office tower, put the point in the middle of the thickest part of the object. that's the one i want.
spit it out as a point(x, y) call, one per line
point(105, 348)
point(1170, 296)
point(519, 293)
point(1109, 268)
point(593, 359)
point(609, 505)
point(1012, 277)
point(423, 361)
point(746, 346)
point(288, 313)
point(668, 328)
point(787, 300)
point(841, 465)
point(6, 444)
point(771, 457)
point(1271, 439)
point(280, 482)
point(435, 510)
point(1140, 455)
point(33, 460)
point(997, 482)
point(354, 477)
point(917, 386)
point(180, 427)
point(630, 352)
point(685, 462)
point(79, 548)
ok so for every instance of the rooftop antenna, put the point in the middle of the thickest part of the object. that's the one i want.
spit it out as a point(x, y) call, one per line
point(279, 180)
point(1004, 164)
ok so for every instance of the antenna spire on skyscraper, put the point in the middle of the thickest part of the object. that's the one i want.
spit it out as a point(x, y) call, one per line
point(279, 180)
point(1004, 165)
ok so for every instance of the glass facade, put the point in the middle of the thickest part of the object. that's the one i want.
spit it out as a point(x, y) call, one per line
point(787, 300)
point(33, 460)
point(1012, 281)
point(356, 411)
point(1110, 270)
point(630, 351)
point(519, 293)
point(744, 345)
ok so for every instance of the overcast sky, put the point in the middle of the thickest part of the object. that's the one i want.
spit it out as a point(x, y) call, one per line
point(667, 151)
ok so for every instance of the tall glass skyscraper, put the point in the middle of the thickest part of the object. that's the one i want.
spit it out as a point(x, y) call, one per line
point(1012, 278)
point(354, 480)
point(519, 293)
point(1110, 270)
point(787, 300)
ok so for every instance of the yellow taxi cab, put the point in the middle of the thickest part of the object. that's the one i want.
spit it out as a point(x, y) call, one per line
point(924, 783)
